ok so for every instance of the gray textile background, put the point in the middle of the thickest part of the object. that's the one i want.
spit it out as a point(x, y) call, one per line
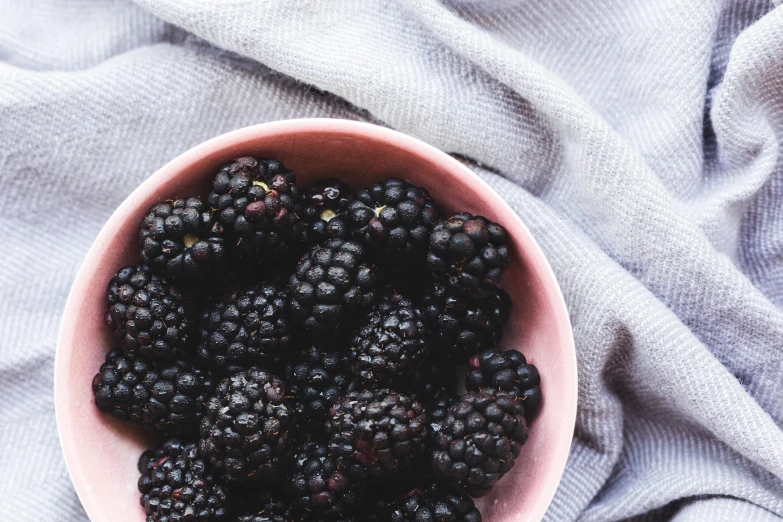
point(640, 140)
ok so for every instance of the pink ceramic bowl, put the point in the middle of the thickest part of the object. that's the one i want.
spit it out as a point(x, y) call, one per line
point(101, 454)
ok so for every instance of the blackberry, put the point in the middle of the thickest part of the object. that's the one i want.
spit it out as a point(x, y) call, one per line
point(507, 372)
point(432, 503)
point(320, 485)
point(168, 397)
point(377, 432)
point(395, 217)
point(479, 441)
point(153, 317)
point(468, 253)
point(245, 431)
point(333, 283)
point(251, 326)
point(316, 379)
point(324, 211)
point(176, 484)
point(256, 201)
point(463, 326)
point(263, 505)
point(390, 344)
point(182, 239)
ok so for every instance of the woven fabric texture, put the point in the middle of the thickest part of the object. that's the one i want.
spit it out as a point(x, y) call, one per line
point(639, 140)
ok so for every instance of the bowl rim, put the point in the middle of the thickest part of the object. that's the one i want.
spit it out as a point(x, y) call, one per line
point(331, 125)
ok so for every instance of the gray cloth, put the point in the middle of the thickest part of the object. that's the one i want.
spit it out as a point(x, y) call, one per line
point(640, 140)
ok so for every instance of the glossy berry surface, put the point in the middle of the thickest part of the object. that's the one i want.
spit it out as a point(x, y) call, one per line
point(479, 441)
point(377, 432)
point(334, 283)
point(506, 372)
point(468, 253)
point(391, 344)
point(177, 485)
point(394, 217)
point(246, 429)
point(182, 238)
point(152, 315)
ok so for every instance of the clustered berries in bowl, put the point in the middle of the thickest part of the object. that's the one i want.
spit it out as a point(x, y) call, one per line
point(298, 346)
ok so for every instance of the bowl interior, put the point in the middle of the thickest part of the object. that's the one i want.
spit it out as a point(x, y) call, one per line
point(101, 453)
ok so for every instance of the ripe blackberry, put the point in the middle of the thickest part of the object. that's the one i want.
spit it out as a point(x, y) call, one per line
point(167, 396)
point(463, 326)
point(324, 211)
point(395, 217)
point(316, 379)
point(506, 372)
point(378, 432)
point(468, 253)
point(256, 200)
point(390, 344)
point(432, 503)
point(333, 283)
point(319, 484)
point(245, 432)
point(181, 238)
point(251, 326)
point(153, 317)
point(176, 484)
point(254, 505)
point(479, 441)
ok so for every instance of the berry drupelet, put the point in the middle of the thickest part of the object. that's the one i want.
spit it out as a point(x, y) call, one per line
point(316, 379)
point(251, 326)
point(333, 283)
point(463, 326)
point(377, 432)
point(506, 372)
point(319, 484)
point(438, 411)
point(391, 342)
point(468, 253)
point(432, 503)
point(182, 239)
point(394, 217)
point(153, 317)
point(479, 441)
point(168, 396)
point(256, 201)
point(245, 431)
point(324, 211)
point(177, 485)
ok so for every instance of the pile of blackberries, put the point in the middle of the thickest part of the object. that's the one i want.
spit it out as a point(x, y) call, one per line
point(298, 350)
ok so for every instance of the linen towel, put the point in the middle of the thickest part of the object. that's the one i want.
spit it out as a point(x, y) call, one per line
point(639, 140)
